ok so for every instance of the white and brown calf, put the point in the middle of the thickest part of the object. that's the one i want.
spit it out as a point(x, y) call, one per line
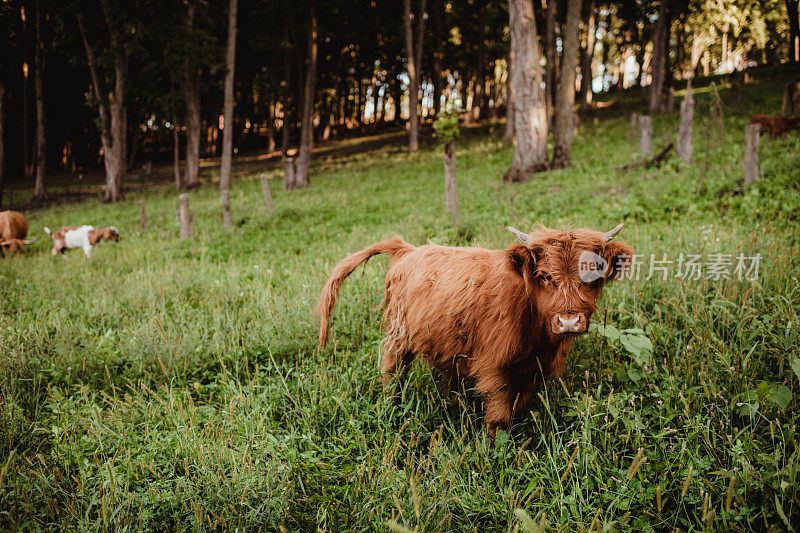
point(84, 237)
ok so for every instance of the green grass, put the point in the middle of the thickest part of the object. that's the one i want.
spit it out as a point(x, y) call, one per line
point(175, 384)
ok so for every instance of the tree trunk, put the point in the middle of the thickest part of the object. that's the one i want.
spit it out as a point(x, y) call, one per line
point(227, 218)
point(450, 185)
point(587, 57)
point(551, 63)
point(530, 113)
point(794, 30)
point(118, 124)
point(412, 56)
point(438, 55)
point(193, 121)
point(657, 62)
point(301, 178)
point(176, 153)
point(227, 132)
point(41, 139)
point(103, 111)
point(508, 137)
point(685, 128)
point(566, 93)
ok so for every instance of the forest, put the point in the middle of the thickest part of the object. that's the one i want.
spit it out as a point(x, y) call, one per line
point(182, 182)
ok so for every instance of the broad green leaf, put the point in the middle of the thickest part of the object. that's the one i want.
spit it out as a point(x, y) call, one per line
point(781, 396)
point(795, 363)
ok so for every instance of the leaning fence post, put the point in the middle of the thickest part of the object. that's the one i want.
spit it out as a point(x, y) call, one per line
point(646, 136)
point(633, 132)
point(267, 194)
point(185, 217)
point(685, 128)
point(751, 163)
point(142, 216)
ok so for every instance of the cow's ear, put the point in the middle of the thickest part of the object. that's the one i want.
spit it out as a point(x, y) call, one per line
point(523, 260)
point(619, 258)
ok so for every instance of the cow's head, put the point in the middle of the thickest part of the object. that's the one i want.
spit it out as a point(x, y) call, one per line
point(14, 245)
point(564, 274)
point(109, 233)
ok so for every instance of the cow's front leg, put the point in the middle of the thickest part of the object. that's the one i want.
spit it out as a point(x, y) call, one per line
point(505, 401)
point(498, 412)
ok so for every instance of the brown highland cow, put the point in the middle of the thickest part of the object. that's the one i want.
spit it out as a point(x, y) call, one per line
point(504, 318)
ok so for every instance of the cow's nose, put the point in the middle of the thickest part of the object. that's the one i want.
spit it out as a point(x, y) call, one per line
point(570, 323)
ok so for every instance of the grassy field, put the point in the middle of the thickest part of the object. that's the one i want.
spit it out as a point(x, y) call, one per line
point(176, 384)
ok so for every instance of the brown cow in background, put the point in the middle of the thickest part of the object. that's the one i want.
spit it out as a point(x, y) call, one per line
point(775, 125)
point(13, 230)
point(504, 318)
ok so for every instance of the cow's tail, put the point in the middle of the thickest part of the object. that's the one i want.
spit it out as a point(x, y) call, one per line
point(47, 230)
point(395, 248)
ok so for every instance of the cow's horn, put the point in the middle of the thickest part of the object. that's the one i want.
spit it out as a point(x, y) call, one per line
point(521, 236)
point(607, 236)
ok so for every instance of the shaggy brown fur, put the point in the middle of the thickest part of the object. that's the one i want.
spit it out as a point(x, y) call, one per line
point(489, 315)
point(13, 230)
point(775, 125)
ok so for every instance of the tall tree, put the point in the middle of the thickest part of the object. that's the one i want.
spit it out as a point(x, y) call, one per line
point(111, 108)
point(307, 122)
point(227, 132)
point(587, 57)
point(413, 58)
point(530, 114)
point(565, 99)
point(657, 62)
point(191, 89)
point(41, 139)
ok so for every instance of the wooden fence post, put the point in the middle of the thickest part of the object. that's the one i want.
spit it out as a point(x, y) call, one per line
point(633, 132)
point(685, 128)
point(289, 171)
point(142, 216)
point(267, 195)
point(185, 217)
point(751, 162)
point(450, 185)
point(646, 135)
point(227, 218)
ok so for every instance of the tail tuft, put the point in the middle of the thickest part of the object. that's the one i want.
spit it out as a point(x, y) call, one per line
point(47, 230)
point(395, 248)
